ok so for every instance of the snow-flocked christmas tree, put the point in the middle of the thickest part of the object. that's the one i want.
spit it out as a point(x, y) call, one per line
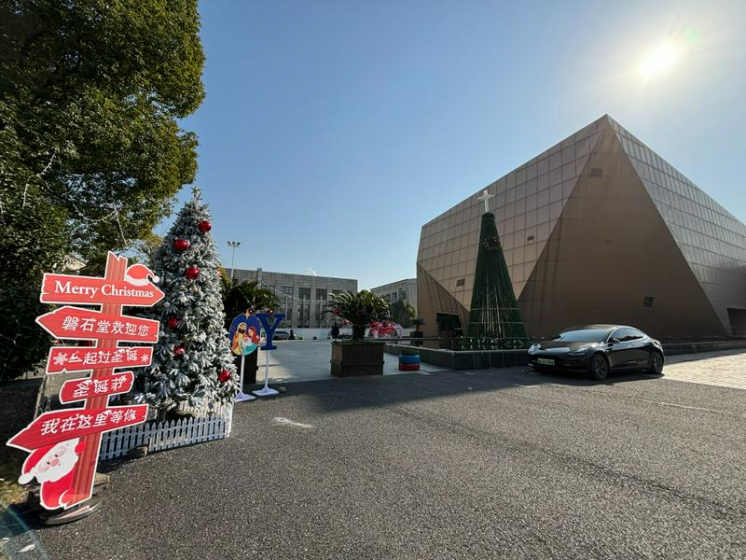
point(192, 363)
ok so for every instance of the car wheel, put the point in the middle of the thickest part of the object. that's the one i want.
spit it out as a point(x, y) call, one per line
point(656, 363)
point(598, 366)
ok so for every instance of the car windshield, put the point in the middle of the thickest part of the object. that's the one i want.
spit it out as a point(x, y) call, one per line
point(583, 335)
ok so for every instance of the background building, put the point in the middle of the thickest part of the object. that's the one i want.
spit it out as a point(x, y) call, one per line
point(303, 297)
point(597, 229)
point(405, 290)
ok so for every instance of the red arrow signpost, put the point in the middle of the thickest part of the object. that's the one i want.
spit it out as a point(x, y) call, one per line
point(62, 425)
point(68, 359)
point(64, 433)
point(89, 290)
point(81, 389)
point(73, 323)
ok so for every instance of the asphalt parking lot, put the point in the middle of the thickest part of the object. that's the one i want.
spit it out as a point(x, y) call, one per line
point(483, 464)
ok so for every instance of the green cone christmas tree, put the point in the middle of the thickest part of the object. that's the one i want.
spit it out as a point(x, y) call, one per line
point(192, 363)
point(494, 312)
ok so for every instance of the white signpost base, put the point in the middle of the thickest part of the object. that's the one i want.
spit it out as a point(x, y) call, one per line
point(57, 517)
point(241, 396)
point(266, 391)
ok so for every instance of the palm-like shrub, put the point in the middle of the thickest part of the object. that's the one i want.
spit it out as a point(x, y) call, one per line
point(402, 312)
point(240, 296)
point(360, 309)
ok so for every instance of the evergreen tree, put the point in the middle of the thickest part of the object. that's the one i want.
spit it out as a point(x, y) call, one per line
point(192, 363)
point(494, 312)
point(92, 98)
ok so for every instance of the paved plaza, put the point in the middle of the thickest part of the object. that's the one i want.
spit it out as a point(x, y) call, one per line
point(308, 360)
point(722, 369)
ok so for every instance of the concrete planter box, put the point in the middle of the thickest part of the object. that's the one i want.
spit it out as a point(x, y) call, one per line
point(465, 359)
point(350, 359)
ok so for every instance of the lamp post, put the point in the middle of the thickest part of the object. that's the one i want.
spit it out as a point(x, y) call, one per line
point(233, 245)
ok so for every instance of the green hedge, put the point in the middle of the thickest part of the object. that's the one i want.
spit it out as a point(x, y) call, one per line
point(22, 342)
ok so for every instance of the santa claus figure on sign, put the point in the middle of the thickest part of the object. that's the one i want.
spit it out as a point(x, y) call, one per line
point(54, 468)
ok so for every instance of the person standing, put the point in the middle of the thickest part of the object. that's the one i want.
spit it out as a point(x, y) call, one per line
point(335, 332)
point(292, 334)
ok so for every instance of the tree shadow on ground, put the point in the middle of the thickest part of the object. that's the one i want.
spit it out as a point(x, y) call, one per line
point(389, 390)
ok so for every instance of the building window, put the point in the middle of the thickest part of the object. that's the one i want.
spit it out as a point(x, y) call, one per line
point(320, 304)
point(404, 295)
point(304, 309)
point(461, 282)
point(287, 302)
point(648, 301)
point(393, 297)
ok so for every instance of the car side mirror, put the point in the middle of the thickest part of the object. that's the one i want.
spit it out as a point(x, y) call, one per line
point(614, 341)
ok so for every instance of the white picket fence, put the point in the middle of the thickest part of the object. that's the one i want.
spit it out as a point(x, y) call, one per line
point(159, 436)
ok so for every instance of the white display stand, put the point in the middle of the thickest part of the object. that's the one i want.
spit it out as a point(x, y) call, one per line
point(266, 391)
point(241, 396)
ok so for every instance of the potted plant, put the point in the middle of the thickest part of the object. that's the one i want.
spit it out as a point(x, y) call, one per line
point(409, 360)
point(417, 333)
point(358, 356)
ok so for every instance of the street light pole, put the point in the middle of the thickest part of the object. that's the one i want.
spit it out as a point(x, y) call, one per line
point(233, 245)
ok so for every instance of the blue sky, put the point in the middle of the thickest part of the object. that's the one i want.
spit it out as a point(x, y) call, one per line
point(332, 130)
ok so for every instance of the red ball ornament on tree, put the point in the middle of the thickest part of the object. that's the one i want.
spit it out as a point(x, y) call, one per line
point(178, 352)
point(173, 322)
point(270, 311)
point(335, 311)
point(204, 226)
point(181, 245)
point(192, 272)
point(224, 376)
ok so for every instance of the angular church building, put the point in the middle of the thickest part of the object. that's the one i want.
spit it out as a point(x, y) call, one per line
point(597, 229)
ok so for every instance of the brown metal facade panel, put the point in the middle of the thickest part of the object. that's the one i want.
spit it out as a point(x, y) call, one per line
point(432, 299)
point(529, 201)
point(598, 215)
point(609, 252)
point(712, 240)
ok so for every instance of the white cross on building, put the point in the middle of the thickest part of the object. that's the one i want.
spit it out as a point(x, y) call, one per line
point(486, 197)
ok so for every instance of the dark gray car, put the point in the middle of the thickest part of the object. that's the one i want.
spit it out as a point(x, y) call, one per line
point(281, 335)
point(597, 350)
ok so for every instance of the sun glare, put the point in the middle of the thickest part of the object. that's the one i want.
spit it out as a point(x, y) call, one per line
point(658, 60)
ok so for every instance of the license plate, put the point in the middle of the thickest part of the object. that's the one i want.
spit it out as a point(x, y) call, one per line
point(546, 362)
